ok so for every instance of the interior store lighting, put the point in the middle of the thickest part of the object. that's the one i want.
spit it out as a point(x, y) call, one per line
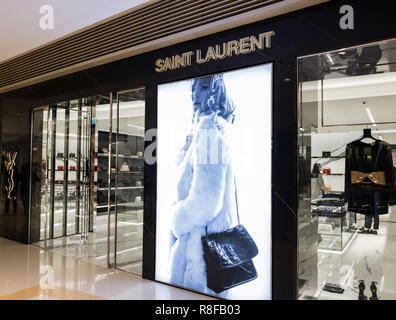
point(371, 117)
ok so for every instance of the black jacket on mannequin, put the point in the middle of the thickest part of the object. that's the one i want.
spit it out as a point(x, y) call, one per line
point(369, 177)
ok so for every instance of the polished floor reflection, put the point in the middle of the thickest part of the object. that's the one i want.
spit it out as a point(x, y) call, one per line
point(29, 272)
point(129, 240)
point(368, 257)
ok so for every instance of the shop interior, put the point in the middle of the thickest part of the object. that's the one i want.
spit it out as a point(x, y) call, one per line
point(347, 101)
point(93, 148)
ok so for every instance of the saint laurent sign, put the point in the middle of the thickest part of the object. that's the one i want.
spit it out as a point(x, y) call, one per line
point(217, 52)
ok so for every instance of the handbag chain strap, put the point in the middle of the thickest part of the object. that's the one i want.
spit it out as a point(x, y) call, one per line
point(236, 203)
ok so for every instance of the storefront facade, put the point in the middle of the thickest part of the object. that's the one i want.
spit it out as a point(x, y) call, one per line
point(258, 64)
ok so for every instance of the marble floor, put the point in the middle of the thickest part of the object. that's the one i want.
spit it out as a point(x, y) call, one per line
point(28, 272)
point(129, 242)
point(368, 257)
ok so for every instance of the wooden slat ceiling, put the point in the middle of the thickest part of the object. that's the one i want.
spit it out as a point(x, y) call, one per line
point(155, 21)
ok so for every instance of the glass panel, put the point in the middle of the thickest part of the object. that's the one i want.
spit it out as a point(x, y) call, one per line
point(307, 222)
point(41, 122)
point(79, 155)
point(129, 180)
point(347, 138)
point(59, 172)
point(84, 169)
point(72, 210)
point(64, 156)
point(104, 220)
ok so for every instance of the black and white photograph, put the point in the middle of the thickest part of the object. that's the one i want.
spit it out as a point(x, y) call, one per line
point(214, 184)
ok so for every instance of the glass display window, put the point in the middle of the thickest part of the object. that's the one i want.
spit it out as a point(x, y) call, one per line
point(346, 141)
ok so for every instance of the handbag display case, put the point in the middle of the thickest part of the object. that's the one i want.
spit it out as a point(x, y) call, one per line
point(129, 171)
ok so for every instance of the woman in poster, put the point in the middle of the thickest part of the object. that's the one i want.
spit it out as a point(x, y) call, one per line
point(205, 183)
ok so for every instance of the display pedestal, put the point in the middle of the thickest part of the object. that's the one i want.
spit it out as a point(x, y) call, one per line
point(336, 232)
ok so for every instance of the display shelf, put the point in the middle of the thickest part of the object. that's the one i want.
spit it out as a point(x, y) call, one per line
point(120, 156)
point(335, 157)
point(129, 148)
point(128, 204)
point(129, 172)
point(74, 170)
point(122, 188)
point(342, 231)
point(122, 172)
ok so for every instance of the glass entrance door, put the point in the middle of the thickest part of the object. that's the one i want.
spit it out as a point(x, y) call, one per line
point(129, 178)
point(87, 179)
point(60, 174)
point(39, 175)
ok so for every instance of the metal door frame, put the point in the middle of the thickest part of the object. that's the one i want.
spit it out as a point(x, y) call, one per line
point(116, 173)
point(50, 173)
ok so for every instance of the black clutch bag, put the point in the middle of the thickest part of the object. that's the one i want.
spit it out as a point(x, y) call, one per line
point(228, 256)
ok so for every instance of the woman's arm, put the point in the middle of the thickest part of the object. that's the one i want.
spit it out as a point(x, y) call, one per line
point(322, 184)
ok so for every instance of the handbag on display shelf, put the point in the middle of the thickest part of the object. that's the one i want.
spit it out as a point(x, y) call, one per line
point(124, 167)
point(139, 183)
point(326, 171)
point(228, 257)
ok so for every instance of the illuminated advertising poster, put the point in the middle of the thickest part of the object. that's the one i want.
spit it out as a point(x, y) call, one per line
point(214, 184)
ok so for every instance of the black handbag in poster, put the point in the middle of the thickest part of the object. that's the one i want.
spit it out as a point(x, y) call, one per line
point(228, 256)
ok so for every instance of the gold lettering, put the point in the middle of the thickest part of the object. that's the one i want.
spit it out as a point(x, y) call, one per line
point(254, 43)
point(244, 44)
point(187, 58)
point(232, 46)
point(168, 64)
point(210, 54)
point(160, 65)
point(173, 62)
point(179, 62)
point(267, 36)
point(222, 55)
point(199, 57)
